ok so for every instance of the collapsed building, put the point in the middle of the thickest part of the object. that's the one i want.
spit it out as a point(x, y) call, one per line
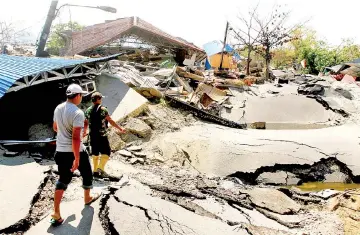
point(31, 88)
point(347, 72)
point(125, 34)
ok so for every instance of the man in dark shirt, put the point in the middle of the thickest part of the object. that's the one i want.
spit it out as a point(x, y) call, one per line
point(98, 118)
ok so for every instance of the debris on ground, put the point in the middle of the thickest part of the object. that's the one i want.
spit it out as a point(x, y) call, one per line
point(138, 127)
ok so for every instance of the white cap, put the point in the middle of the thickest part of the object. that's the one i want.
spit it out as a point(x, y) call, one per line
point(74, 89)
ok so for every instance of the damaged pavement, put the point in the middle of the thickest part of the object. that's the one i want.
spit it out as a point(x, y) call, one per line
point(181, 173)
point(206, 152)
point(174, 192)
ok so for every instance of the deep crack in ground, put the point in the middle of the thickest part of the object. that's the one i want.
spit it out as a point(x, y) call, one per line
point(305, 172)
point(40, 204)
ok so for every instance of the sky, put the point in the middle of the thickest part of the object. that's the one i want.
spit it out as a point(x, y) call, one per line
point(197, 21)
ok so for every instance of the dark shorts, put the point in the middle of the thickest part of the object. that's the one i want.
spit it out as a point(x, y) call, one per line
point(99, 144)
point(64, 161)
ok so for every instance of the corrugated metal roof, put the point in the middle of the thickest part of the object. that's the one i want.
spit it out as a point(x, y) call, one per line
point(13, 68)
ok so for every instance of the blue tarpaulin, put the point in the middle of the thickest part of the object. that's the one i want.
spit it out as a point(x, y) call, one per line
point(207, 64)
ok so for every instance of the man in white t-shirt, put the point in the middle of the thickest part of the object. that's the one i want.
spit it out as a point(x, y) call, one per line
point(69, 123)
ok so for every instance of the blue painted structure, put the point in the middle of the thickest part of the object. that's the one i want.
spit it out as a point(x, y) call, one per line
point(13, 68)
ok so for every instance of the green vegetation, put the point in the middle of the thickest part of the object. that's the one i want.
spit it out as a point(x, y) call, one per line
point(58, 39)
point(317, 53)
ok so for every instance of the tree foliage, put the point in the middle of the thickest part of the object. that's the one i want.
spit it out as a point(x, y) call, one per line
point(284, 45)
point(283, 57)
point(317, 53)
point(58, 37)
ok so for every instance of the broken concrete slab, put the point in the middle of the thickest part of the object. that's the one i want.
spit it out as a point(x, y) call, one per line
point(125, 153)
point(134, 148)
point(121, 100)
point(138, 127)
point(115, 140)
point(156, 158)
point(140, 154)
point(272, 200)
point(147, 213)
point(337, 177)
point(237, 215)
point(277, 178)
point(20, 178)
point(274, 178)
point(136, 160)
point(246, 151)
point(129, 137)
point(206, 183)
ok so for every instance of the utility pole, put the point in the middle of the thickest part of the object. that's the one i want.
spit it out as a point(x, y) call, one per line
point(46, 30)
point(222, 51)
point(51, 16)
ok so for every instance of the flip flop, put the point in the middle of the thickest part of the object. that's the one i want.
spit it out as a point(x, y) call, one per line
point(96, 197)
point(56, 222)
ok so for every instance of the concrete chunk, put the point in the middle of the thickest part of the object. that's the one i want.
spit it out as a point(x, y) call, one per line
point(337, 177)
point(115, 140)
point(277, 178)
point(137, 160)
point(138, 127)
point(140, 154)
point(272, 200)
point(125, 153)
point(134, 148)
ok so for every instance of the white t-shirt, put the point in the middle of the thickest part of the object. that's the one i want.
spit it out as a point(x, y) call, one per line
point(67, 115)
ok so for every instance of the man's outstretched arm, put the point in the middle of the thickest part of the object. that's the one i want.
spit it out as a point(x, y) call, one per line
point(114, 124)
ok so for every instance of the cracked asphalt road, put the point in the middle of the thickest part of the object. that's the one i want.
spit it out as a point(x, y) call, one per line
point(222, 151)
point(133, 207)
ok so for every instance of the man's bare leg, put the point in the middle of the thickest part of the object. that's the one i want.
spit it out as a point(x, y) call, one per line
point(57, 199)
point(88, 199)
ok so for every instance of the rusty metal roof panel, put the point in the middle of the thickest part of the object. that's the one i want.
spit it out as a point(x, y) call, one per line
point(13, 68)
point(100, 34)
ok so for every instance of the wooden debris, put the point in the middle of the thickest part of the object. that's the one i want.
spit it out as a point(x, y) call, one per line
point(182, 73)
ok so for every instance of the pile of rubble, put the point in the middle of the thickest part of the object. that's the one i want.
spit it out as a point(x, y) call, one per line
point(207, 91)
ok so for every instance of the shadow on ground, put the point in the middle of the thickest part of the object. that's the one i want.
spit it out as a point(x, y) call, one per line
point(84, 226)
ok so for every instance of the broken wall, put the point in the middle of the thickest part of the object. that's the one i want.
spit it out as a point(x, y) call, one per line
point(120, 99)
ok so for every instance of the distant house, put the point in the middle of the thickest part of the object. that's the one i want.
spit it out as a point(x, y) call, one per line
point(229, 57)
point(227, 63)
